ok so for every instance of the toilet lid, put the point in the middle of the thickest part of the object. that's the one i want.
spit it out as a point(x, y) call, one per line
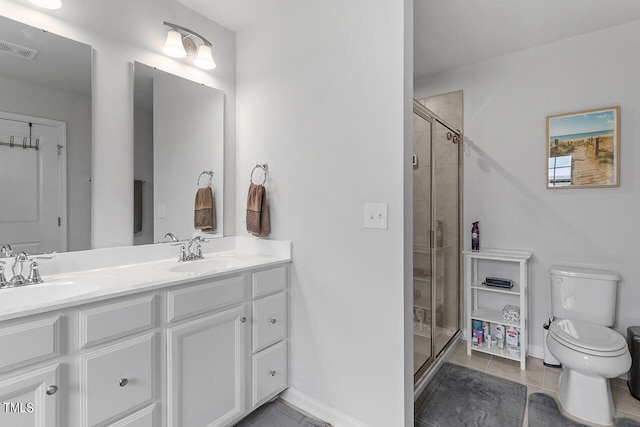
point(588, 337)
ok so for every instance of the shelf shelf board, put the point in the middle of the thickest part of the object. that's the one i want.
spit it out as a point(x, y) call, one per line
point(483, 348)
point(514, 290)
point(493, 316)
point(499, 254)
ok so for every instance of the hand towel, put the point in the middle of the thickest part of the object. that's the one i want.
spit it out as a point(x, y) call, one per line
point(137, 206)
point(205, 210)
point(257, 211)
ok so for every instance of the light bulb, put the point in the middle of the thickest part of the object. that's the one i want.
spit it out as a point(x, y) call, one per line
point(48, 4)
point(173, 47)
point(204, 59)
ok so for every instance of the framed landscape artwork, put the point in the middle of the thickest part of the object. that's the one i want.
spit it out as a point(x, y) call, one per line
point(583, 149)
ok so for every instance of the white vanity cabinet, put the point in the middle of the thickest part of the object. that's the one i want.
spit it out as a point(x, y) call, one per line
point(197, 353)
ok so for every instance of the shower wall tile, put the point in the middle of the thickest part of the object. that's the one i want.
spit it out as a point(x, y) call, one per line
point(449, 106)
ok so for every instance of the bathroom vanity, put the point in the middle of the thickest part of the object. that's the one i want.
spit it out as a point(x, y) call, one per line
point(152, 342)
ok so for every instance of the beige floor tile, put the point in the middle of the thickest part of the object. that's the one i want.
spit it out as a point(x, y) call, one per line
point(478, 361)
point(551, 378)
point(510, 369)
point(624, 402)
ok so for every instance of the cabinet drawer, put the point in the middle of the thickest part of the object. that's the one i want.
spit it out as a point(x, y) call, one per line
point(116, 379)
point(269, 320)
point(269, 281)
point(29, 342)
point(117, 320)
point(197, 299)
point(270, 375)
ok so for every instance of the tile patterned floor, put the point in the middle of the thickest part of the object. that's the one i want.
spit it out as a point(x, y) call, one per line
point(540, 379)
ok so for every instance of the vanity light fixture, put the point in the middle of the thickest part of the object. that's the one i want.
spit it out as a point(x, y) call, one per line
point(180, 43)
point(48, 4)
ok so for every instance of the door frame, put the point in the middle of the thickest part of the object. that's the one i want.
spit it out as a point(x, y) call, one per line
point(62, 168)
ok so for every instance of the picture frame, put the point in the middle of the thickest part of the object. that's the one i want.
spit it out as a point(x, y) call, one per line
point(583, 149)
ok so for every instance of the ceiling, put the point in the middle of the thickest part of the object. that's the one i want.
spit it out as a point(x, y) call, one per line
point(454, 33)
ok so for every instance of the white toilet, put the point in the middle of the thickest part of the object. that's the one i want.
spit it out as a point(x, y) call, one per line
point(583, 301)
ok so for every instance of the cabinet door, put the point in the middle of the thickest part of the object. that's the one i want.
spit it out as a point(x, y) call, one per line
point(30, 400)
point(207, 369)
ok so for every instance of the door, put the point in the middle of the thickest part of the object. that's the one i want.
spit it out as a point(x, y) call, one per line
point(33, 184)
point(445, 256)
point(30, 400)
point(422, 268)
point(436, 248)
point(207, 369)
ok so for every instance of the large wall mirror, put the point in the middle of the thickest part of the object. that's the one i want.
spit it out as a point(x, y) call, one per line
point(178, 149)
point(45, 140)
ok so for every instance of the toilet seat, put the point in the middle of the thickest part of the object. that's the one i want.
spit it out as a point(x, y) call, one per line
point(587, 337)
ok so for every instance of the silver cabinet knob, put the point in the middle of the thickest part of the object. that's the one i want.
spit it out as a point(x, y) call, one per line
point(273, 320)
point(51, 390)
point(273, 373)
point(123, 382)
point(243, 319)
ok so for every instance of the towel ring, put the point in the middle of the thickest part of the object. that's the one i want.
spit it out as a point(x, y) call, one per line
point(264, 167)
point(210, 173)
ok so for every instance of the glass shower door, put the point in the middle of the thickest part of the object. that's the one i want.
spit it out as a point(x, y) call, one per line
point(436, 248)
point(445, 195)
point(422, 284)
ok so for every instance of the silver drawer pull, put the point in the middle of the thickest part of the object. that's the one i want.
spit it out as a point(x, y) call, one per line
point(273, 320)
point(51, 390)
point(273, 373)
point(243, 319)
point(123, 382)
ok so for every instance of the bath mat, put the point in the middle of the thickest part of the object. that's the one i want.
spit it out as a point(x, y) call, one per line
point(458, 396)
point(279, 414)
point(544, 411)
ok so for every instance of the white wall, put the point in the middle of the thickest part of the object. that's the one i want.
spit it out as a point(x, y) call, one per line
point(118, 39)
point(506, 101)
point(24, 98)
point(321, 99)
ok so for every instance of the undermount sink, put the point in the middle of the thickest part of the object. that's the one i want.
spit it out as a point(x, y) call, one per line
point(55, 290)
point(206, 265)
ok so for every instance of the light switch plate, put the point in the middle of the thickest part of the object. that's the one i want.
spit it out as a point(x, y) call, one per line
point(375, 215)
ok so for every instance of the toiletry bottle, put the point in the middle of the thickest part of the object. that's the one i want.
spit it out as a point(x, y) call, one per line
point(475, 236)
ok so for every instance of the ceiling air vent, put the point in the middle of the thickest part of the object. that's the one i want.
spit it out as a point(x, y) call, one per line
point(17, 50)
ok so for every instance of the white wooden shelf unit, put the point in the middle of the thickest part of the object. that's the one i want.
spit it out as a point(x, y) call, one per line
point(518, 292)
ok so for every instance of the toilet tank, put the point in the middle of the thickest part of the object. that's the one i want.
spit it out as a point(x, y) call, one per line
point(584, 294)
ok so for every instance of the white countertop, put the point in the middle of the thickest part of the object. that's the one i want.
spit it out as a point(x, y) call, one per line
point(115, 272)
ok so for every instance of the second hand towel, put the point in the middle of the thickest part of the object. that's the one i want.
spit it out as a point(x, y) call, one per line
point(257, 211)
point(204, 217)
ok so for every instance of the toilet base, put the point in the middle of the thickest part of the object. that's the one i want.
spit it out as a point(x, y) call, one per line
point(586, 397)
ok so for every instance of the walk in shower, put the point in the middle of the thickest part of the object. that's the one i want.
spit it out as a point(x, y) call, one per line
point(436, 238)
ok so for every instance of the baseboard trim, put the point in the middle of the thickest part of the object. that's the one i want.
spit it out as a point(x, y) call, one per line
point(319, 410)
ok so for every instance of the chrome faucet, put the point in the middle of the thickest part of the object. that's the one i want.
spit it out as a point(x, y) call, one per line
point(6, 250)
point(18, 263)
point(3, 279)
point(197, 253)
point(171, 236)
point(186, 251)
point(18, 279)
